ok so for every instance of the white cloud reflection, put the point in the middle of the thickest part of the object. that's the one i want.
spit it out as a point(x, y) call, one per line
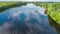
point(30, 14)
point(30, 11)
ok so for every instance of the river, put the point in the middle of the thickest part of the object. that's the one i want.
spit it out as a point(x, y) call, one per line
point(28, 19)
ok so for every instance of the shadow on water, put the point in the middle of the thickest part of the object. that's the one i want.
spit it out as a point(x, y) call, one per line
point(29, 19)
point(54, 24)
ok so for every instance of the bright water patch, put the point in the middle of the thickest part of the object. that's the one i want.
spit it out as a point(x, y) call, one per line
point(29, 19)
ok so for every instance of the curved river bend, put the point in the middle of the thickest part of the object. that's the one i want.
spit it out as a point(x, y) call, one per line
point(29, 19)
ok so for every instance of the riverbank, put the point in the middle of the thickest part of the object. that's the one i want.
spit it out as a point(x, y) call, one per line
point(54, 24)
point(7, 5)
point(54, 11)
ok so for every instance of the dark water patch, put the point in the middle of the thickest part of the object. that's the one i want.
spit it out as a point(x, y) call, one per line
point(54, 24)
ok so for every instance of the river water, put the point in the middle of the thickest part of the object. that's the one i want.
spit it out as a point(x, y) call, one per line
point(28, 19)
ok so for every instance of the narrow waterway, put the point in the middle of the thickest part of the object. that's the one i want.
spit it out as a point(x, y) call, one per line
point(28, 19)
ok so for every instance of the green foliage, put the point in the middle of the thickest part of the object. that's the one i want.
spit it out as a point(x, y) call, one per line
point(54, 11)
point(6, 5)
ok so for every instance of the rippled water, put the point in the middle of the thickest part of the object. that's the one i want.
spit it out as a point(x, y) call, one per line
point(29, 19)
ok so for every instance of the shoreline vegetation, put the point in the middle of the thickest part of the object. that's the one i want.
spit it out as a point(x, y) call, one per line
point(54, 11)
point(6, 5)
point(52, 8)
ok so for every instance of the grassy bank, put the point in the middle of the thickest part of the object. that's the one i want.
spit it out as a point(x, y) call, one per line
point(54, 11)
point(7, 5)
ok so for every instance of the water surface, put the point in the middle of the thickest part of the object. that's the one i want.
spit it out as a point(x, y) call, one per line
point(29, 19)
